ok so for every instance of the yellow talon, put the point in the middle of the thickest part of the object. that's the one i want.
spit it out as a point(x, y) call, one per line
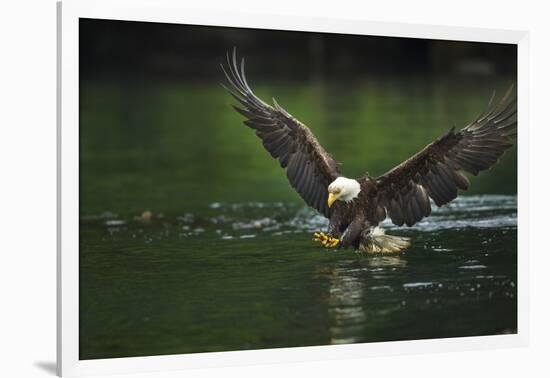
point(326, 240)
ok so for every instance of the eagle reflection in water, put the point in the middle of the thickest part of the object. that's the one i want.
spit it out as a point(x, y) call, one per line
point(350, 282)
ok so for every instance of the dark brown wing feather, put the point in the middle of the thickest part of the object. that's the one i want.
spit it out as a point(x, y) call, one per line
point(309, 168)
point(436, 172)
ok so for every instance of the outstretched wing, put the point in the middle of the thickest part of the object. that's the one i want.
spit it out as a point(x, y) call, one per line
point(309, 168)
point(436, 172)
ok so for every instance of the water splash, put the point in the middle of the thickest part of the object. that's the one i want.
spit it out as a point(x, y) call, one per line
point(238, 220)
point(484, 211)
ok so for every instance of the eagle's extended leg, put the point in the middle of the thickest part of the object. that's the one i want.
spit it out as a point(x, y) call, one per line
point(331, 238)
point(348, 238)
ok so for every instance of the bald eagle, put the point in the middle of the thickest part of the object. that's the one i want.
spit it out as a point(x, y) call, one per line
point(355, 207)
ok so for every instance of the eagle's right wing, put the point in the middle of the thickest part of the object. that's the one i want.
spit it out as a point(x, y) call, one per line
point(309, 168)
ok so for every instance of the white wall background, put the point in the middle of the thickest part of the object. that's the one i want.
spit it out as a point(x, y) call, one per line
point(28, 169)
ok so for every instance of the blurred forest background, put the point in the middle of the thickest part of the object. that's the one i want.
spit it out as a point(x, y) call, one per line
point(156, 126)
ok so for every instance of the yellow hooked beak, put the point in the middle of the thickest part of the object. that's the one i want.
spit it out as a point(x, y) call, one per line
point(331, 198)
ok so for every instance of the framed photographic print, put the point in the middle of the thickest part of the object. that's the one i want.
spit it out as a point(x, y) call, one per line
point(263, 189)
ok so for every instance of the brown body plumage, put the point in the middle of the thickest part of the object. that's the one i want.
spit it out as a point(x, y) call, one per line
point(403, 193)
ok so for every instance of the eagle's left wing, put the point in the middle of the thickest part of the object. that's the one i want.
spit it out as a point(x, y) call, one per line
point(436, 171)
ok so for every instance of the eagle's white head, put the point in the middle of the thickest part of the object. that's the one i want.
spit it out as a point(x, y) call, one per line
point(343, 189)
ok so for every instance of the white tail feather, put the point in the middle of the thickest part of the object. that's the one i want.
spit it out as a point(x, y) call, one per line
point(375, 240)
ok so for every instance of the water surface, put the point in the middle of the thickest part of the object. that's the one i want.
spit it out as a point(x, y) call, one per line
point(248, 276)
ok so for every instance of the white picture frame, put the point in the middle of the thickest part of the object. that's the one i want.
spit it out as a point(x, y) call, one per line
point(68, 363)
